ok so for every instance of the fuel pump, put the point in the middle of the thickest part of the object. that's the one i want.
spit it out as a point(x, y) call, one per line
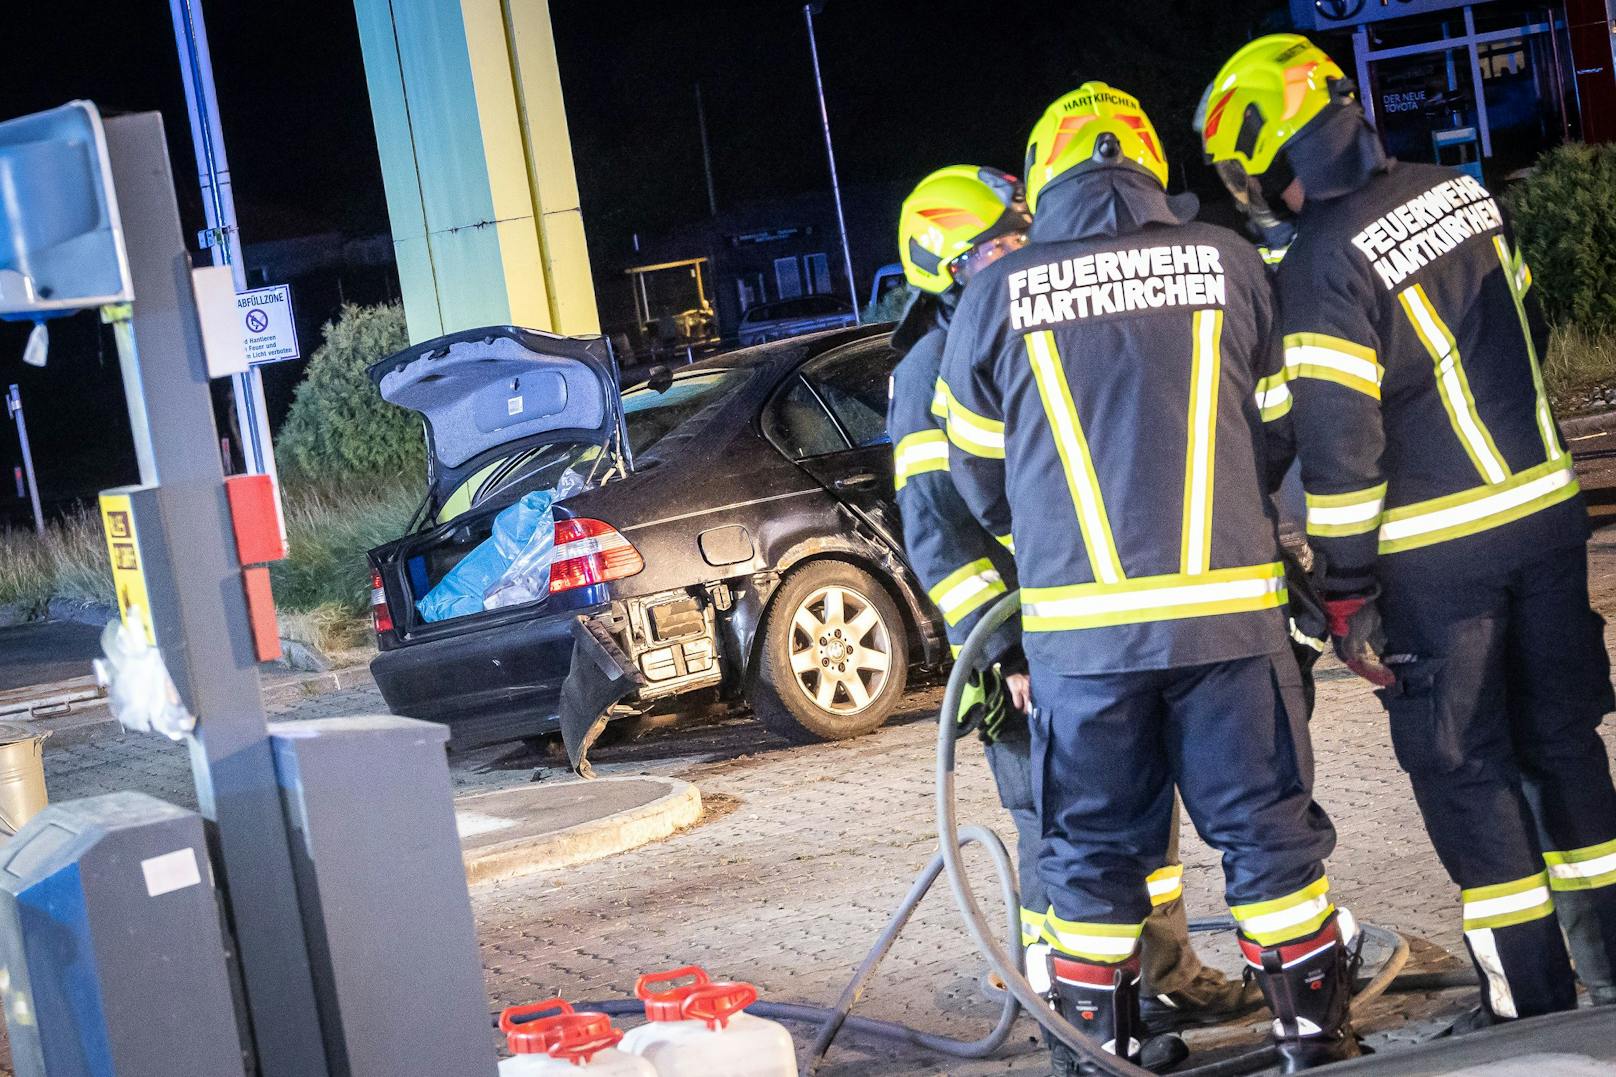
point(346, 943)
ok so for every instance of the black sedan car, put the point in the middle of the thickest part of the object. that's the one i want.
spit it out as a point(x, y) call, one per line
point(735, 535)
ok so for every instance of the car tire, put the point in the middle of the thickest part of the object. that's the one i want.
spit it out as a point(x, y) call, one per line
point(833, 661)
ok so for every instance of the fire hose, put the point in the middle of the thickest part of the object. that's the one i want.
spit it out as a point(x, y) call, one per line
point(1020, 994)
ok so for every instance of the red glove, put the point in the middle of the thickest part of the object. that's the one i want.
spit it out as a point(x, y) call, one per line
point(1359, 639)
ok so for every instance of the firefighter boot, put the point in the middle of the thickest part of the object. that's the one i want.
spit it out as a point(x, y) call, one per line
point(1103, 1002)
point(1308, 985)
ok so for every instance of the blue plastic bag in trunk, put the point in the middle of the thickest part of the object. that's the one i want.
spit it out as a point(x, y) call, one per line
point(510, 567)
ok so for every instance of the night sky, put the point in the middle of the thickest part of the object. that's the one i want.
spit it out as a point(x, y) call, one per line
point(910, 87)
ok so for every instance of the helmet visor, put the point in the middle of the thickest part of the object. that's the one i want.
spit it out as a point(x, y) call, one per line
point(984, 254)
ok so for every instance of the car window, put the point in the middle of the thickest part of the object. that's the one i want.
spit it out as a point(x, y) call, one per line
point(853, 383)
point(652, 415)
point(798, 425)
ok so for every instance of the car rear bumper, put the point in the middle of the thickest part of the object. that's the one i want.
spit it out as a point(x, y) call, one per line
point(487, 685)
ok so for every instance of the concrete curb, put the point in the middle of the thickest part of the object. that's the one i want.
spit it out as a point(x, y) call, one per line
point(676, 809)
point(295, 689)
point(1599, 422)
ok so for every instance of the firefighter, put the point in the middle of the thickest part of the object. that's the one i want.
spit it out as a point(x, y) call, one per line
point(957, 221)
point(1101, 389)
point(1443, 501)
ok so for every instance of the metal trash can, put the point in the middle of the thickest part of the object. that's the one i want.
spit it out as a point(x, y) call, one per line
point(22, 775)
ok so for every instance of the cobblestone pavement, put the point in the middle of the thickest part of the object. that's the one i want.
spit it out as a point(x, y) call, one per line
point(804, 851)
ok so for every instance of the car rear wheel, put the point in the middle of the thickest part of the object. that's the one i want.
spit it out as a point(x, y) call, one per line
point(834, 658)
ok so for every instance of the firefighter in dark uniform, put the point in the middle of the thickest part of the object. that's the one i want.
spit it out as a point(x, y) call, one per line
point(1443, 502)
point(1101, 386)
point(957, 221)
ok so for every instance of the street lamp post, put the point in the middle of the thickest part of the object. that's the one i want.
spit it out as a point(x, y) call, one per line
point(830, 155)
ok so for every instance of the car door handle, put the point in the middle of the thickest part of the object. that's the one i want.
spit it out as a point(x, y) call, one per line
point(849, 482)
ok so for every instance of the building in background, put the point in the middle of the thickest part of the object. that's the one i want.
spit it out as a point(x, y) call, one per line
point(1485, 86)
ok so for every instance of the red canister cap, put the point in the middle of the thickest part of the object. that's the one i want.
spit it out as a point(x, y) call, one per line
point(662, 998)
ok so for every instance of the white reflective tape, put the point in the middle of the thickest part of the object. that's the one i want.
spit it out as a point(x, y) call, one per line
point(1099, 945)
point(1354, 366)
point(1508, 903)
point(925, 452)
point(1194, 594)
point(1479, 509)
point(1453, 387)
point(1336, 515)
point(967, 589)
point(1586, 869)
point(1273, 398)
point(1203, 406)
point(1484, 948)
point(1078, 465)
point(1269, 922)
point(1165, 884)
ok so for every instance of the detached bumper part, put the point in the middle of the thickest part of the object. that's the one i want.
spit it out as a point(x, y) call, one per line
point(601, 675)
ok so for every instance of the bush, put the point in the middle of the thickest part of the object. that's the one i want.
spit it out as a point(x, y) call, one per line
point(328, 530)
point(339, 429)
point(1579, 369)
point(1566, 228)
point(68, 561)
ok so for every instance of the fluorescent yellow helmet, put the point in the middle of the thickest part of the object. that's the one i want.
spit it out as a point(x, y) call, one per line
point(1094, 126)
point(1264, 96)
point(948, 214)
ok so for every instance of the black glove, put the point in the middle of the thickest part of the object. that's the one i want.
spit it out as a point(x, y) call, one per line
point(1359, 638)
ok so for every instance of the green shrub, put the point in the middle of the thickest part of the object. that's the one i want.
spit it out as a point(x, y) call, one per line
point(1579, 365)
point(328, 530)
point(1566, 227)
point(339, 429)
point(68, 561)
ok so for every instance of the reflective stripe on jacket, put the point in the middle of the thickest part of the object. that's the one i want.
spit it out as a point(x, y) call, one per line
point(963, 568)
point(1413, 349)
point(1102, 386)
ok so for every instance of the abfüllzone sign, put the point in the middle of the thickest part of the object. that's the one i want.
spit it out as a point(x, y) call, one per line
point(267, 324)
point(1342, 14)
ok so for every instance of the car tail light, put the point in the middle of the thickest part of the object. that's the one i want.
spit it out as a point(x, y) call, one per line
point(380, 616)
point(589, 552)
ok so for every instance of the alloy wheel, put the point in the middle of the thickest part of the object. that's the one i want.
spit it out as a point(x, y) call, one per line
point(841, 649)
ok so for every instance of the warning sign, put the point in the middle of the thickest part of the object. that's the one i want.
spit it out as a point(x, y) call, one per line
point(267, 325)
point(123, 548)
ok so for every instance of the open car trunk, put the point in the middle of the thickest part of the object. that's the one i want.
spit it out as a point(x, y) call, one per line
point(494, 399)
point(507, 411)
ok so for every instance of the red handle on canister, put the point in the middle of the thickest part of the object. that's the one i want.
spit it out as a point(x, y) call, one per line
point(578, 1037)
point(717, 1003)
point(664, 1005)
point(531, 1037)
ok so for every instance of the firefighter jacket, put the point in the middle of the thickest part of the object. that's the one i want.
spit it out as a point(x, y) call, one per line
point(962, 567)
point(1101, 395)
point(1412, 345)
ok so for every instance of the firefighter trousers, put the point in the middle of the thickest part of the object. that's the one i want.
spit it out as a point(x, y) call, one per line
point(1502, 684)
point(1107, 752)
point(1168, 961)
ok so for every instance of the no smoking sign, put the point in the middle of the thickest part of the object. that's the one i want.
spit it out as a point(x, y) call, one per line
point(266, 318)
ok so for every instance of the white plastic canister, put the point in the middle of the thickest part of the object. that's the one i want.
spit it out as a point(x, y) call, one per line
point(663, 994)
point(715, 1039)
point(565, 1043)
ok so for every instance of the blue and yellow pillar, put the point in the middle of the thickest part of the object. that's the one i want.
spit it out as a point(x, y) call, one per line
point(477, 164)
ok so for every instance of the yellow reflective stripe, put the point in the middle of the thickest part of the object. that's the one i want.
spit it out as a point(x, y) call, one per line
point(1588, 868)
point(1311, 642)
point(1007, 541)
point(1425, 523)
point(1338, 515)
point(1073, 447)
point(1090, 941)
point(1274, 396)
point(1195, 553)
point(973, 433)
point(925, 450)
point(1153, 598)
point(1519, 279)
point(965, 589)
point(1452, 385)
point(1032, 926)
point(1294, 916)
point(1327, 358)
point(1165, 884)
point(940, 397)
point(1506, 904)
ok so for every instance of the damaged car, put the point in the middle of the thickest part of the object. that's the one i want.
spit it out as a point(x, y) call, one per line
point(725, 532)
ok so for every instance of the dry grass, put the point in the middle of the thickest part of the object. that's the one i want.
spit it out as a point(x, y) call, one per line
point(322, 589)
point(1579, 367)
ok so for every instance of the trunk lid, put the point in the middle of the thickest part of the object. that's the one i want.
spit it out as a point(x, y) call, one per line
point(487, 395)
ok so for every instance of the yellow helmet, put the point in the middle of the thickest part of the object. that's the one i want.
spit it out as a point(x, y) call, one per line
point(1263, 97)
point(948, 214)
point(1094, 126)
